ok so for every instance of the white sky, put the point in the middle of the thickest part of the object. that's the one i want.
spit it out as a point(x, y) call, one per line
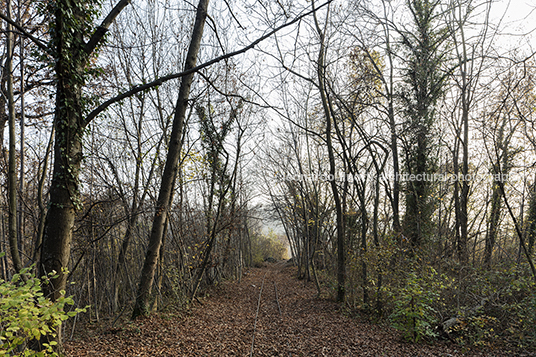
point(518, 21)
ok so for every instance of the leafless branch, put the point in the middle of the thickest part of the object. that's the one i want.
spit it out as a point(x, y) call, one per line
point(161, 80)
point(34, 39)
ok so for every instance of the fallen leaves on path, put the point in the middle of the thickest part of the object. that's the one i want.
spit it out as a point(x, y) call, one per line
point(223, 326)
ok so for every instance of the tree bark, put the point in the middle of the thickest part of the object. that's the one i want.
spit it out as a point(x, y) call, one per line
point(396, 167)
point(40, 200)
point(70, 20)
point(529, 231)
point(500, 169)
point(464, 197)
point(20, 213)
point(141, 306)
point(64, 195)
point(12, 174)
point(425, 82)
point(341, 253)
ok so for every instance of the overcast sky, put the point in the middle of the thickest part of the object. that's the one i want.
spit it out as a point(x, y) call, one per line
point(518, 21)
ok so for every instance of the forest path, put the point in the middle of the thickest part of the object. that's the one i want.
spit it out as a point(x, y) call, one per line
point(224, 324)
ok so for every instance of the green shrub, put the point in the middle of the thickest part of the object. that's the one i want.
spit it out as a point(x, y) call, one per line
point(415, 304)
point(516, 309)
point(25, 315)
point(523, 319)
point(507, 315)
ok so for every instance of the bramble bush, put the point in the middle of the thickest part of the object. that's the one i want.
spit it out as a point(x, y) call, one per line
point(25, 314)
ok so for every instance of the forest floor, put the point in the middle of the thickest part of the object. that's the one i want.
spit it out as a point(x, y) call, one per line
point(224, 325)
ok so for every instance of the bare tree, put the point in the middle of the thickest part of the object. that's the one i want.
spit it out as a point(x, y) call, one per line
point(12, 161)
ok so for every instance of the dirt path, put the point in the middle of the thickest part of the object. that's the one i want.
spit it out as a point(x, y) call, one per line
point(224, 324)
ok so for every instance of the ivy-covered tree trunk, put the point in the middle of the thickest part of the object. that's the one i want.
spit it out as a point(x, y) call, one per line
point(500, 169)
point(70, 53)
point(424, 82)
point(530, 222)
point(67, 47)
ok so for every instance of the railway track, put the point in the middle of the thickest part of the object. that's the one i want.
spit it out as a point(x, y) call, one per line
point(269, 273)
point(269, 313)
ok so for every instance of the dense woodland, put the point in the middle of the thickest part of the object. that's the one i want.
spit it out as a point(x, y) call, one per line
point(148, 145)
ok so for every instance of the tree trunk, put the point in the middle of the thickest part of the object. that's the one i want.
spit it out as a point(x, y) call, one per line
point(64, 195)
point(12, 174)
point(493, 224)
point(456, 194)
point(141, 306)
point(500, 169)
point(530, 223)
point(425, 87)
point(40, 200)
point(464, 197)
point(396, 169)
point(69, 52)
point(4, 117)
point(20, 217)
point(341, 254)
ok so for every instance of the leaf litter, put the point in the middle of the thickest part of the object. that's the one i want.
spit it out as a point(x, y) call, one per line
point(223, 326)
